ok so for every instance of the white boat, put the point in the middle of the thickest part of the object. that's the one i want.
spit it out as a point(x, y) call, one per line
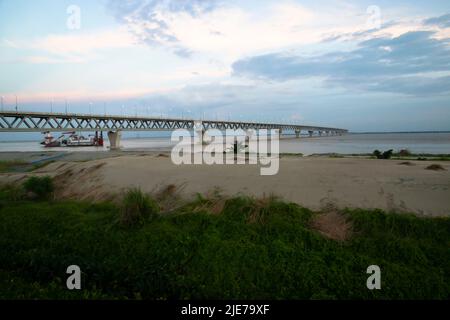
point(75, 140)
point(50, 141)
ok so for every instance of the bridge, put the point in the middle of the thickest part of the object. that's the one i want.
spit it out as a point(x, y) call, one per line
point(13, 121)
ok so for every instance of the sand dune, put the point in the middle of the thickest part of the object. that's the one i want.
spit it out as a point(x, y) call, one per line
point(311, 182)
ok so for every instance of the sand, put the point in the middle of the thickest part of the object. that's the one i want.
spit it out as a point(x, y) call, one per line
point(313, 182)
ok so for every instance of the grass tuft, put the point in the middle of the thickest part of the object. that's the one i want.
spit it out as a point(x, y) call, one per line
point(12, 193)
point(138, 207)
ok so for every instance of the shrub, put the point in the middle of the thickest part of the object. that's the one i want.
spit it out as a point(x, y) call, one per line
point(384, 155)
point(377, 153)
point(406, 163)
point(435, 167)
point(41, 187)
point(404, 153)
point(387, 154)
point(12, 193)
point(238, 147)
point(138, 206)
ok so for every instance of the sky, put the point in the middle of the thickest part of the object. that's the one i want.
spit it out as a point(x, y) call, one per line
point(360, 65)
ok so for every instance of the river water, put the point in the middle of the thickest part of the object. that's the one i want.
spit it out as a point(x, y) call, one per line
point(430, 143)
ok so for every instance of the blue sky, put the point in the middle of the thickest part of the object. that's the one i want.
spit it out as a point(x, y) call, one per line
point(362, 65)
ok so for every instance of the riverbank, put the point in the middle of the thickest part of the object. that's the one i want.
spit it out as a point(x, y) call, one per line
point(313, 182)
point(217, 248)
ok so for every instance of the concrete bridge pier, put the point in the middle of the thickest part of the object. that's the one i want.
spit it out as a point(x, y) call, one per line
point(114, 139)
point(199, 131)
point(250, 134)
point(201, 135)
point(297, 133)
point(310, 133)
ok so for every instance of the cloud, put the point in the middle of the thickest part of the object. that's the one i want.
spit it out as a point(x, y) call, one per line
point(224, 28)
point(442, 21)
point(70, 48)
point(359, 34)
point(414, 85)
point(405, 64)
point(83, 43)
point(51, 60)
point(148, 19)
point(9, 43)
point(78, 48)
point(230, 31)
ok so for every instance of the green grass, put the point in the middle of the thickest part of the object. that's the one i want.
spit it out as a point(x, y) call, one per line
point(138, 208)
point(21, 166)
point(41, 187)
point(11, 166)
point(293, 154)
point(40, 165)
point(252, 249)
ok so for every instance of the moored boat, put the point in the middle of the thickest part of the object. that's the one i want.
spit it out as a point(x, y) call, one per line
point(50, 141)
point(75, 140)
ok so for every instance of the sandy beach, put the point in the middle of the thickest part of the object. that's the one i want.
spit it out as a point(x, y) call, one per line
point(313, 182)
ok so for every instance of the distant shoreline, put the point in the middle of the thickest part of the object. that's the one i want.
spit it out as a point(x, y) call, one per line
point(398, 132)
point(285, 134)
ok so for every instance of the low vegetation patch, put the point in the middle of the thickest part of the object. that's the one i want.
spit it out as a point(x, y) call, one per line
point(246, 248)
point(406, 163)
point(403, 153)
point(40, 188)
point(12, 193)
point(435, 167)
point(138, 207)
point(12, 166)
point(293, 154)
point(20, 166)
point(383, 155)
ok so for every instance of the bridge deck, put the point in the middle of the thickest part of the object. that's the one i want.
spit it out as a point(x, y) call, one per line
point(11, 121)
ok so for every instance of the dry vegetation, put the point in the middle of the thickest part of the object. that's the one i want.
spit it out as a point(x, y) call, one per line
point(333, 225)
point(435, 167)
point(406, 163)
